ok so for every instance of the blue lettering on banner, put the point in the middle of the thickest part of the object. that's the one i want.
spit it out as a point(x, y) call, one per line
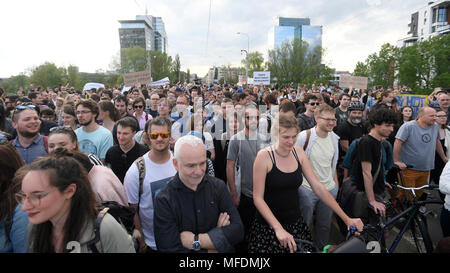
point(414, 101)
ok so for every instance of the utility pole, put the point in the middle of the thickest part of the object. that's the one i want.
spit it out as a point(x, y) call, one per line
point(248, 51)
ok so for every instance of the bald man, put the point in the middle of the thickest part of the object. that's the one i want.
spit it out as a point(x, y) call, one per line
point(195, 212)
point(415, 146)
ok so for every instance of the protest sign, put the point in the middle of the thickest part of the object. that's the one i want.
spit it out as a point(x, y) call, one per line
point(137, 78)
point(414, 101)
point(242, 80)
point(90, 85)
point(353, 82)
point(160, 82)
point(261, 77)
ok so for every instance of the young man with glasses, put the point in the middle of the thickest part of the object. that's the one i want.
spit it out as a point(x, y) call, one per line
point(321, 147)
point(157, 171)
point(92, 138)
point(153, 110)
point(29, 143)
point(120, 156)
point(306, 120)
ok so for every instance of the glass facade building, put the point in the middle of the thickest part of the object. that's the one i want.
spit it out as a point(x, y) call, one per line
point(146, 31)
point(290, 28)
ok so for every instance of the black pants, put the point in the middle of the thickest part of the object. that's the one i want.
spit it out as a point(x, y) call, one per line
point(247, 211)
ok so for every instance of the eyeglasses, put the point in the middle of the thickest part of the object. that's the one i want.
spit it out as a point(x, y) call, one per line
point(35, 198)
point(314, 103)
point(138, 106)
point(155, 135)
point(162, 105)
point(82, 112)
point(61, 128)
point(329, 119)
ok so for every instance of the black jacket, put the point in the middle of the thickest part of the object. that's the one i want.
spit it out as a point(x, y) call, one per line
point(178, 209)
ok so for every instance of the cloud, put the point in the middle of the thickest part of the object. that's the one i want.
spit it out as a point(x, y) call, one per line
point(85, 33)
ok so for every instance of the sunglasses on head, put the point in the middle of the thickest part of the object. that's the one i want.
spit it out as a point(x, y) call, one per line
point(155, 135)
point(61, 128)
point(24, 106)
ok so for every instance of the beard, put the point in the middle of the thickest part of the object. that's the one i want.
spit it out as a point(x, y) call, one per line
point(355, 120)
point(27, 134)
point(86, 123)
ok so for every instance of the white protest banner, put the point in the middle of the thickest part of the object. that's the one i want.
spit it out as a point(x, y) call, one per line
point(261, 77)
point(90, 85)
point(137, 78)
point(125, 89)
point(160, 82)
point(353, 82)
point(242, 80)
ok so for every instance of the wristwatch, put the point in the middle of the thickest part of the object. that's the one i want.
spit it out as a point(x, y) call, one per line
point(196, 243)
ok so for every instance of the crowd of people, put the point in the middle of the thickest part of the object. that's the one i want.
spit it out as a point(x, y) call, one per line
point(218, 168)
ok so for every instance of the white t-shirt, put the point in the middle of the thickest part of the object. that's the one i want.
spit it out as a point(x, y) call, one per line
point(156, 178)
point(321, 158)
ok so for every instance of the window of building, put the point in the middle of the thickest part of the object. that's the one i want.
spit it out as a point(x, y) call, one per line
point(442, 14)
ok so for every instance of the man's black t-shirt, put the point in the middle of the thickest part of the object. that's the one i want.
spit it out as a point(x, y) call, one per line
point(369, 150)
point(346, 131)
point(120, 161)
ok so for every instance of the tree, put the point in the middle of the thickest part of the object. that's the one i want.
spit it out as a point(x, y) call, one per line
point(133, 60)
point(47, 75)
point(255, 63)
point(188, 75)
point(295, 62)
point(161, 65)
point(176, 70)
point(361, 69)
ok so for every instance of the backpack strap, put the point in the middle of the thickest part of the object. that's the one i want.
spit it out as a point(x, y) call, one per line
point(92, 243)
point(45, 143)
point(140, 163)
point(308, 135)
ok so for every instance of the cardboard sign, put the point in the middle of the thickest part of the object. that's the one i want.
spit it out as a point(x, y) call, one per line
point(353, 82)
point(137, 78)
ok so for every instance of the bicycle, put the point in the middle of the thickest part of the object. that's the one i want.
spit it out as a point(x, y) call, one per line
point(352, 244)
point(415, 222)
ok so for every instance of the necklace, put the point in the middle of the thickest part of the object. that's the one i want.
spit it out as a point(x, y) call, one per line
point(284, 156)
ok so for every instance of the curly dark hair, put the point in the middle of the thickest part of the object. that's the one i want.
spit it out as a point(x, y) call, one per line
point(382, 115)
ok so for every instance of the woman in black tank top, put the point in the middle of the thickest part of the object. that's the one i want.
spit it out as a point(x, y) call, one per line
point(277, 175)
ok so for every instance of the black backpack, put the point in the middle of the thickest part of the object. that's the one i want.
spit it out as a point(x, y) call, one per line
point(124, 215)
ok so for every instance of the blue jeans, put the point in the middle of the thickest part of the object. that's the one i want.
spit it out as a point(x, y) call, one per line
point(310, 202)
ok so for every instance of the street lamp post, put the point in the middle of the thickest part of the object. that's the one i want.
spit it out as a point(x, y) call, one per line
point(248, 51)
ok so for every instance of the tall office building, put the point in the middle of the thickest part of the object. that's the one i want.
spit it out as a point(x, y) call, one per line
point(430, 20)
point(146, 31)
point(290, 28)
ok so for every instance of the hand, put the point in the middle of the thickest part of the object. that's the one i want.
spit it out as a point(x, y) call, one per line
point(286, 240)
point(387, 185)
point(187, 238)
point(224, 220)
point(356, 222)
point(401, 165)
point(378, 207)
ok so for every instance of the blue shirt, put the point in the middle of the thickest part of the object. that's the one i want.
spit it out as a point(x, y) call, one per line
point(17, 242)
point(32, 152)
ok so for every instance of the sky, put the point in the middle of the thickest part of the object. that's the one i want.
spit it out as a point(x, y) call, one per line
point(85, 32)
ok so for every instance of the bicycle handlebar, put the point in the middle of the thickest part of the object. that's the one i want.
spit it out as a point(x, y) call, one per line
point(430, 186)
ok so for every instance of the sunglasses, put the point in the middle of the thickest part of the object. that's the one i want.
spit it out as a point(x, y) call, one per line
point(138, 106)
point(25, 106)
point(61, 128)
point(314, 103)
point(155, 135)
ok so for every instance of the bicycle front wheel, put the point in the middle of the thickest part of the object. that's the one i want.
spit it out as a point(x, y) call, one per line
point(421, 236)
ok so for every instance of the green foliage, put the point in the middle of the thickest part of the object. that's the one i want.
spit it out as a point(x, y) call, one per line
point(47, 75)
point(255, 63)
point(295, 62)
point(422, 66)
